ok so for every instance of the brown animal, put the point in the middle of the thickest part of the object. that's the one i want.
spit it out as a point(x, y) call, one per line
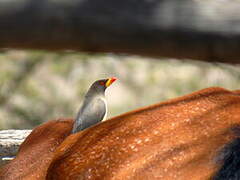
point(187, 138)
point(181, 139)
point(36, 152)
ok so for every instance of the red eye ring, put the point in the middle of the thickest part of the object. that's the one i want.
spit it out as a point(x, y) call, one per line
point(102, 83)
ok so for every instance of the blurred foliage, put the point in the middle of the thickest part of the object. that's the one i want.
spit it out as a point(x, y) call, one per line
point(37, 86)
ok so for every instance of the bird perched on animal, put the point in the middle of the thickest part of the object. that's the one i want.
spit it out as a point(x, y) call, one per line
point(94, 107)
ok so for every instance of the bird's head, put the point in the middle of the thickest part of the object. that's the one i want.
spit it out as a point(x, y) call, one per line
point(102, 84)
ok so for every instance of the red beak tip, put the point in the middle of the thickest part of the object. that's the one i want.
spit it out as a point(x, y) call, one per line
point(113, 79)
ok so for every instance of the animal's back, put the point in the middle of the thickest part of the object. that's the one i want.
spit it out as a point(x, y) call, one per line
point(178, 139)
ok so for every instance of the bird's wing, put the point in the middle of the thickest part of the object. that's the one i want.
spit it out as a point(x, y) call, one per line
point(90, 114)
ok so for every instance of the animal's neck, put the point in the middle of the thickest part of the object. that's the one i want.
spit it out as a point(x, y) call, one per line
point(93, 91)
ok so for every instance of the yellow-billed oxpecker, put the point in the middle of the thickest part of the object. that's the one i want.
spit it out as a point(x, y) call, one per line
point(94, 107)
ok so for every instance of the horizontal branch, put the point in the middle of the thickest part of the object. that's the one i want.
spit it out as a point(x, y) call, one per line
point(206, 30)
point(10, 141)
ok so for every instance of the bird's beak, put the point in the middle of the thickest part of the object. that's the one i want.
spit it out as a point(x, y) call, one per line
point(110, 81)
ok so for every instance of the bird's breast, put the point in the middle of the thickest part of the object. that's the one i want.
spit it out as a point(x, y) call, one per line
point(105, 102)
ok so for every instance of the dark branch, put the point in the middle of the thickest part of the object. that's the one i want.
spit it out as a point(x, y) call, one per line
point(207, 30)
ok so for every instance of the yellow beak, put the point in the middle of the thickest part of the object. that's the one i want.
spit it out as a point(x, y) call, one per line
point(110, 81)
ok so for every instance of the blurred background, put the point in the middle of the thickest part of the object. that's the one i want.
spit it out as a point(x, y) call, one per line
point(37, 86)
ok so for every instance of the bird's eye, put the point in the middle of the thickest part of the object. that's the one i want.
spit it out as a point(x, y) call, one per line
point(101, 83)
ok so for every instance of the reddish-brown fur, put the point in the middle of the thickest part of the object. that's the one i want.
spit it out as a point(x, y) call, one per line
point(36, 152)
point(178, 139)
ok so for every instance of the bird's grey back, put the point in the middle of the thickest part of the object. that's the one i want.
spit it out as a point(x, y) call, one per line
point(92, 111)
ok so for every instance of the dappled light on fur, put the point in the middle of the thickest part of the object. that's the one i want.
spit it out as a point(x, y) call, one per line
point(183, 138)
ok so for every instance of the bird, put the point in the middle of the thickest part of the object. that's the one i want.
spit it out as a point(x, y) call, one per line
point(45, 138)
point(94, 106)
